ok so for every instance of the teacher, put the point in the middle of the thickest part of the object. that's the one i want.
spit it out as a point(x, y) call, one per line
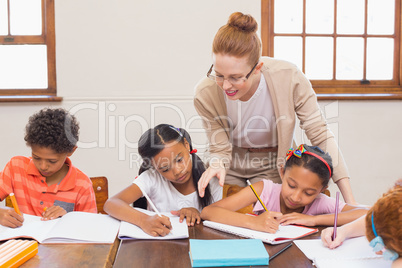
point(249, 106)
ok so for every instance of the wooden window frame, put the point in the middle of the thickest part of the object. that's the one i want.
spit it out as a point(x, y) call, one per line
point(47, 38)
point(341, 89)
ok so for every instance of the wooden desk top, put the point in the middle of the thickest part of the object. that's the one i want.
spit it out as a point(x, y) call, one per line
point(74, 255)
point(174, 253)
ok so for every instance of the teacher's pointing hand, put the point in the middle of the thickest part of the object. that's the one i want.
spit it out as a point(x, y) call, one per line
point(211, 172)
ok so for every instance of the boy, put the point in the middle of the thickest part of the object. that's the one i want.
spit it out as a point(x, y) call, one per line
point(46, 184)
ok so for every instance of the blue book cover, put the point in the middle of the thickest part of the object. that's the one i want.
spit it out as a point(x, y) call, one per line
point(227, 252)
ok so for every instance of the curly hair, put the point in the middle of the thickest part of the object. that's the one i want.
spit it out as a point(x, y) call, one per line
point(56, 129)
point(387, 219)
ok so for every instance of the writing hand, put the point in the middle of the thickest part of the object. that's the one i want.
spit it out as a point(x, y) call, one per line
point(266, 222)
point(192, 215)
point(326, 237)
point(10, 218)
point(53, 212)
point(155, 225)
point(208, 174)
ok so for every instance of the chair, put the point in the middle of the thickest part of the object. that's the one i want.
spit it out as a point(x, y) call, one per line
point(101, 190)
point(327, 192)
point(231, 189)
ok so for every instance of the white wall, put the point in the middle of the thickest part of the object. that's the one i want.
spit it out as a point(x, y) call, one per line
point(124, 66)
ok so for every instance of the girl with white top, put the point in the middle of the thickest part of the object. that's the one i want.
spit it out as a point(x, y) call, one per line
point(168, 175)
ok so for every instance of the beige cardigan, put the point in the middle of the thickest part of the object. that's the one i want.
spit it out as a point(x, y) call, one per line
point(292, 95)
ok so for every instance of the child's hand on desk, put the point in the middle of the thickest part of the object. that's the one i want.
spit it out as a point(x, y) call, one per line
point(10, 218)
point(266, 222)
point(155, 225)
point(53, 213)
point(297, 218)
point(192, 215)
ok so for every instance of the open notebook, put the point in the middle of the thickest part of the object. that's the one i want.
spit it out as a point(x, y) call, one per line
point(353, 253)
point(284, 234)
point(131, 231)
point(74, 227)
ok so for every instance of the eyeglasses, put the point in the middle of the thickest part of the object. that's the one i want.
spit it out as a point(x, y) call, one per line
point(232, 80)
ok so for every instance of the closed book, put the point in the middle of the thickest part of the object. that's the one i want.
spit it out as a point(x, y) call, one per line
point(227, 252)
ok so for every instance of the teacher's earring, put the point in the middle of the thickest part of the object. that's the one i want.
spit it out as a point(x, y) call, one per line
point(193, 151)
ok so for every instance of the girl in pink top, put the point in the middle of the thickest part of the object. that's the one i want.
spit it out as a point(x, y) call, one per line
point(298, 200)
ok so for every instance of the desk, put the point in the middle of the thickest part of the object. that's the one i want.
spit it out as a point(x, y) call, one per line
point(174, 253)
point(74, 255)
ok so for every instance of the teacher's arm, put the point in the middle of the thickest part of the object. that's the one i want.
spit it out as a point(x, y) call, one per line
point(317, 131)
point(346, 190)
point(216, 128)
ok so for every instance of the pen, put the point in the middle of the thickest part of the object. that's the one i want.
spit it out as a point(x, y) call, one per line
point(152, 204)
point(336, 215)
point(15, 205)
point(280, 251)
point(259, 199)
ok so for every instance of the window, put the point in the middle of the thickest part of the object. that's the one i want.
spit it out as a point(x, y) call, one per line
point(27, 50)
point(347, 48)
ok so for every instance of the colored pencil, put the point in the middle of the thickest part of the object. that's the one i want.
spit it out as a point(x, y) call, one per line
point(336, 215)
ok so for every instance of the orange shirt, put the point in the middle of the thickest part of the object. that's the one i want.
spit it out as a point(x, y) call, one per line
point(73, 193)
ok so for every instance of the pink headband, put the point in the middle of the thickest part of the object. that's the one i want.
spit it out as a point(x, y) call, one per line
point(301, 150)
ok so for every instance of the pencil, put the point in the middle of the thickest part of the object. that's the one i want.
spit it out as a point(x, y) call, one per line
point(259, 199)
point(15, 205)
point(280, 251)
point(336, 215)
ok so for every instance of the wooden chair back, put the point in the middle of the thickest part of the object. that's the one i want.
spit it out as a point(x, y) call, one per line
point(101, 189)
point(231, 189)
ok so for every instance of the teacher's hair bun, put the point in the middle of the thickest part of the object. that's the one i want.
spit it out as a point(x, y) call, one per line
point(243, 22)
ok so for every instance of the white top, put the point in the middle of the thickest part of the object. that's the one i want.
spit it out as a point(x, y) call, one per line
point(166, 198)
point(253, 121)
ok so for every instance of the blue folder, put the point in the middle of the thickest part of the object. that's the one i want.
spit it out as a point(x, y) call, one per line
point(227, 252)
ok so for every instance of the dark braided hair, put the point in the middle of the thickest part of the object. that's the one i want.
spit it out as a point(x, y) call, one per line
point(313, 163)
point(153, 141)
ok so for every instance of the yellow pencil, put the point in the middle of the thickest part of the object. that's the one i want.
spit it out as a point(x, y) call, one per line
point(15, 205)
point(259, 199)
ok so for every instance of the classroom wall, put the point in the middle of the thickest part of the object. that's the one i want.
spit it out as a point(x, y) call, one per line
point(124, 66)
